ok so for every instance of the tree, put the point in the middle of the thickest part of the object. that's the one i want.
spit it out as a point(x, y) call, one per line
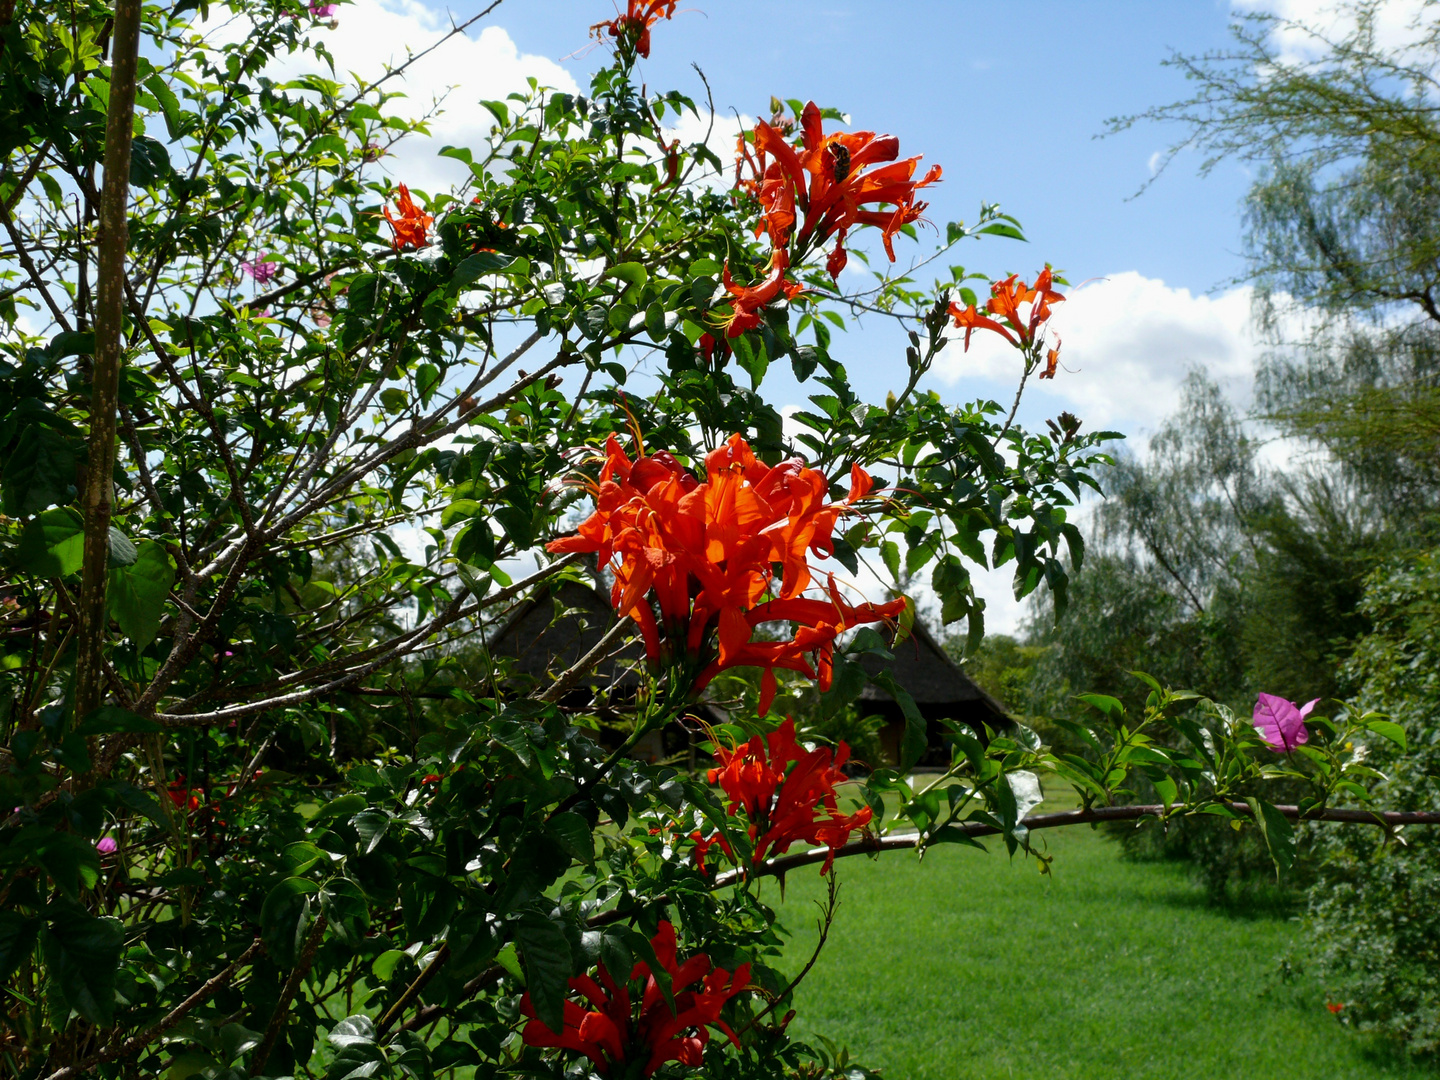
point(312, 827)
point(1337, 110)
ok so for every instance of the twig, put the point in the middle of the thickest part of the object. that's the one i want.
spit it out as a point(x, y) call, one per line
point(562, 686)
point(292, 984)
point(173, 1017)
point(827, 919)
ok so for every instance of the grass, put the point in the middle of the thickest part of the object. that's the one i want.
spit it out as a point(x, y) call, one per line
point(972, 966)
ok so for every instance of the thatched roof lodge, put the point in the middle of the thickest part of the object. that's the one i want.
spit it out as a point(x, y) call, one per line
point(540, 646)
point(941, 690)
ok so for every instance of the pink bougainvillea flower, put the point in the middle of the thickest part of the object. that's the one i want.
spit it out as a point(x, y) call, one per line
point(263, 272)
point(324, 11)
point(1281, 723)
point(106, 845)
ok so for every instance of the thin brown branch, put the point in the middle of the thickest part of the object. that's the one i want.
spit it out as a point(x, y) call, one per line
point(138, 1042)
point(292, 985)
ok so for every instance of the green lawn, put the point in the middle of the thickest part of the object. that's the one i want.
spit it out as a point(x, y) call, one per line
point(971, 966)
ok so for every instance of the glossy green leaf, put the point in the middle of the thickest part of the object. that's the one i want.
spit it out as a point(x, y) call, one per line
point(138, 592)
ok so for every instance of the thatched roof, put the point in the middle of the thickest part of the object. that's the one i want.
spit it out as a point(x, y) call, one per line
point(543, 646)
point(923, 667)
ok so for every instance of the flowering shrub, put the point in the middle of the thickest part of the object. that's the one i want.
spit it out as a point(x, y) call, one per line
point(669, 1025)
point(779, 787)
point(281, 804)
point(704, 552)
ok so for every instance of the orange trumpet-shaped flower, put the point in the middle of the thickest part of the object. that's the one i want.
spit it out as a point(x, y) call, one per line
point(634, 25)
point(826, 185)
point(702, 556)
point(780, 788)
point(1005, 299)
point(746, 301)
point(611, 1033)
point(409, 221)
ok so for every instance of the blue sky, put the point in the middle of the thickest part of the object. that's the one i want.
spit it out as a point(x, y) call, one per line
point(1009, 99)
point(1008, 103)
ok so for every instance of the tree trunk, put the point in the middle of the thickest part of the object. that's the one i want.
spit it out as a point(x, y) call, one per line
point(105, 378)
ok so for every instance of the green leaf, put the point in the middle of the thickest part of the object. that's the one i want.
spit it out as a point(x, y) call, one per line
point(1108, 706)
point(1000, 229)
point(52, 544)
point(122, 551)
point(71, 862)
point(915, 739)
point(138, 593)
point(572, 833)
point(82, 954)
point(372, 826)
point(545, 952)
point(473, 267)
point(285, 919)
point(459, 510)
point(343, 808)
point(633, 274)
point(1278, 832)
point(17, 938)
point(149, 161)
point(347, 909)
point(1388, 729)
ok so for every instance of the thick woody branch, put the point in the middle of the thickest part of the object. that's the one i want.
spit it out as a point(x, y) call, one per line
point(95, 501)
point(1094, 815)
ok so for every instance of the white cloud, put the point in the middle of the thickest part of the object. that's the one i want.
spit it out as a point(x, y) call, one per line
point(1128, 343)
point(370, 34)
point(722, 132)
point(1398, 23)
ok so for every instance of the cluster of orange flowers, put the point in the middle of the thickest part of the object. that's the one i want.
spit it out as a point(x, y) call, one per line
point(826, 185)
point(703, 555)
point(1025, 333)
point(610, 1033)
point(409, 222)
point(634, 24)
point(820, 188)
point(780, 787)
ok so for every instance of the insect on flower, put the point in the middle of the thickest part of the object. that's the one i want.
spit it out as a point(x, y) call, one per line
point(826, 185)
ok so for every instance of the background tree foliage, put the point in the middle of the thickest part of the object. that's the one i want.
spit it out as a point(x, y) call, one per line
point(1224, 573)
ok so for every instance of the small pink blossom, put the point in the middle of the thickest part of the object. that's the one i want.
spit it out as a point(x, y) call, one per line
point(1281, 723)
point(263, 272)
point(106, 845)
point(323, 11)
